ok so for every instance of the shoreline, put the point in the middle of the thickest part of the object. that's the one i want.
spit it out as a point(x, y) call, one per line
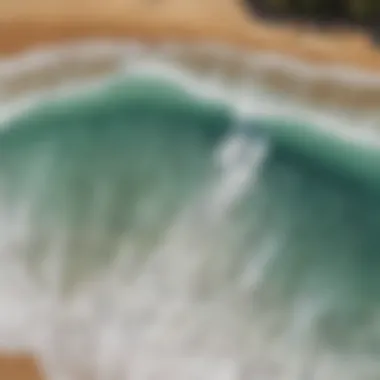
point(322, 48)
point(223, 21)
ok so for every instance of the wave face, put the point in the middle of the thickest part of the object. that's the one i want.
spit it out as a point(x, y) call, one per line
point(156, 233)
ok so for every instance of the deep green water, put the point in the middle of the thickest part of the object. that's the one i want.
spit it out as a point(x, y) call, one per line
point(123, 164)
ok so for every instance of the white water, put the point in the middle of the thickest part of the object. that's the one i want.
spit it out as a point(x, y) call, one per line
point(185, 316)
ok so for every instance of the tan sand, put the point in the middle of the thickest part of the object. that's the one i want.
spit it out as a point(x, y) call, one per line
point(21, 367)
point(26, 24)
point(23, 24)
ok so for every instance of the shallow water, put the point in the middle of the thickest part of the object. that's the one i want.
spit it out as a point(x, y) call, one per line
point(151, 233)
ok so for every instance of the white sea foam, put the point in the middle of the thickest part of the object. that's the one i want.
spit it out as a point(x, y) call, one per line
point(245, 93)
point(184, 315)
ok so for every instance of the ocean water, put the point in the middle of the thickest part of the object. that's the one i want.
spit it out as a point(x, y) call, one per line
point(149, 232)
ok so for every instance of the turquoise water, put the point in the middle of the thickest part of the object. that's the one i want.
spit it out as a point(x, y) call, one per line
point(264, 233)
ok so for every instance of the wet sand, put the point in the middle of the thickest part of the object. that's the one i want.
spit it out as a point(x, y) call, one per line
point(21, 367)
point(26, 25)
point(46, 22)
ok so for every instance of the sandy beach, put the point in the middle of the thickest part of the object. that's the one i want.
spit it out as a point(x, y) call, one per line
point(225, 21)
point(35, 23)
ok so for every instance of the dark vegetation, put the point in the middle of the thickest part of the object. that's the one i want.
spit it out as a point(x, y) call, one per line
point(364, 14)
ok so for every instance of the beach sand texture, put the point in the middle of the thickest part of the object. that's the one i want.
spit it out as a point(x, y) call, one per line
point(23, 25)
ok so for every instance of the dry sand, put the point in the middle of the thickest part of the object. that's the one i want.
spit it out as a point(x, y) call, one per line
point(27, 24)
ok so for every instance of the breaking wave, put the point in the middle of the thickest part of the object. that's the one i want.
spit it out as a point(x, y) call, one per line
point(146, 230)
